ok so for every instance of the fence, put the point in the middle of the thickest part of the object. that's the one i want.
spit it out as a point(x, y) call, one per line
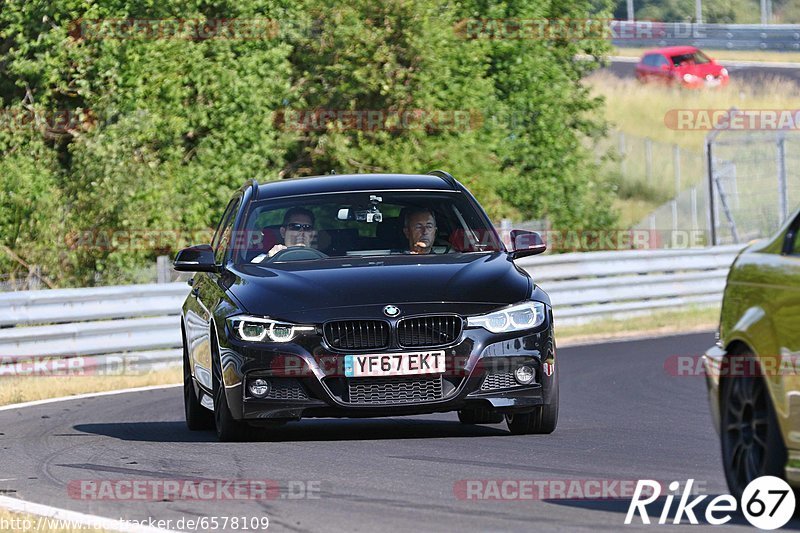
point(649, 34)
point(660, 170)
point(142, 321)
point(755, 178)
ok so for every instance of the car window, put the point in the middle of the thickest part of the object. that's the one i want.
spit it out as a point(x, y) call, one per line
point(697, 58)
point(794, 237)
point(225, 231)
point(648, 60)
point(364, 224)
point(222, 221)
point(660, 60)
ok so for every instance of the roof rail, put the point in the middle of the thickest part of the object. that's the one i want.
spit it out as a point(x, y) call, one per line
point(446, 176)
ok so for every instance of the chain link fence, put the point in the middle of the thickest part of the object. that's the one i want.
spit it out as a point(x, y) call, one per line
point(755, 176)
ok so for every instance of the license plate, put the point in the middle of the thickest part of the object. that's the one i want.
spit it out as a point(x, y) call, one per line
point(394, 364)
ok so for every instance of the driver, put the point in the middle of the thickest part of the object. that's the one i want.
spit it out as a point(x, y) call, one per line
point(419, 227)
point(297, 230)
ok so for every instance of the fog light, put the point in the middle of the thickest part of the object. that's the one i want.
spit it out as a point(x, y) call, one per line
point(259, 387)
point(524, 375)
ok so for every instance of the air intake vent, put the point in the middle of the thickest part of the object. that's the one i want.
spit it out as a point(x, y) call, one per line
point(428, 331)
point(357, 334)
point(394, 390)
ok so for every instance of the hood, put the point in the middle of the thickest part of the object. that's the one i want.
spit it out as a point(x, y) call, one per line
point(701, 70)
point(294, 288)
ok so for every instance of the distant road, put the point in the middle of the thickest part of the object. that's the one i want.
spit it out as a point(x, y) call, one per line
point(752, 71)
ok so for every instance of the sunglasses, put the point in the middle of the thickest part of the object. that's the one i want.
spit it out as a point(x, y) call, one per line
point(296, 226)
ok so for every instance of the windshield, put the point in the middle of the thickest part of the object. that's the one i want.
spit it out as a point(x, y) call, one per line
point(697, 58)
point(362, 224)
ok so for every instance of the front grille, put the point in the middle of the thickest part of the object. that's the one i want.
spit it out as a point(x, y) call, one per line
point(357, 334)
point(287, 389)
point(499, 380)
point(428, 330)
point(394, 390)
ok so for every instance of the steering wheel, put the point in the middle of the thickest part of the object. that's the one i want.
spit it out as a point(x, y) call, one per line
point(297, 253)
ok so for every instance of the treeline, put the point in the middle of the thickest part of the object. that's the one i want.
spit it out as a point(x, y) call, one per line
point(125, 118)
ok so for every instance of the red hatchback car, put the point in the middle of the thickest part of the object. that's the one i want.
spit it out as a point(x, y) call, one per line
point(684, 65)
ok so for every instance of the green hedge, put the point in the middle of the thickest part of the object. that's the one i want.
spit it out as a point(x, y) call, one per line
point(107, 129)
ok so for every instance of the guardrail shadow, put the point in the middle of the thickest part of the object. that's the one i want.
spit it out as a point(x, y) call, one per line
point(305, 430)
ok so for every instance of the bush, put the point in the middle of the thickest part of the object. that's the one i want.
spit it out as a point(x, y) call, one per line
point(160, 131)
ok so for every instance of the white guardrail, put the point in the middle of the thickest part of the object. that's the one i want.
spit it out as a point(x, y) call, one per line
point(141, 321)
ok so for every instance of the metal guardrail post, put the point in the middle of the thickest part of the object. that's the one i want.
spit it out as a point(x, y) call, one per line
point(712, 223)
point(163, 269)
point(783, 192)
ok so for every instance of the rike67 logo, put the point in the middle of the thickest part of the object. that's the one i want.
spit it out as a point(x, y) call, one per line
point(767, 503)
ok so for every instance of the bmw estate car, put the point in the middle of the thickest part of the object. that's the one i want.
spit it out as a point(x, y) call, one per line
point(753, 372)
point(363, 296)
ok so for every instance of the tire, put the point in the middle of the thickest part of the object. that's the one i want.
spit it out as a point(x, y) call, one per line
point(542, 420)
point(750, 437)
point(479, 416)
point(228, 428)
point(198, 418)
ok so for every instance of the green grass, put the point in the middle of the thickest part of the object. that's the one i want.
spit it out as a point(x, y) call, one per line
point(691, 319)
point(637, 112)
point(633, 210)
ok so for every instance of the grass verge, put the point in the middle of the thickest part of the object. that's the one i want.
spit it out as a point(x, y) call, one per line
point(640, 110)
point(26, 389)
point(691, 320)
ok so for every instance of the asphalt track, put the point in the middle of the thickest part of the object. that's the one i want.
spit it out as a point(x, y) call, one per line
point(746, 71)
point(622, 417)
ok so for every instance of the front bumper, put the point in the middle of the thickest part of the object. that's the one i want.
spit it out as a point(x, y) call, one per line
point(307, 380)
point(712, 362)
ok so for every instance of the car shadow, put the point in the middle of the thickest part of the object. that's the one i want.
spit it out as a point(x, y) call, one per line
point(620, 505)
point(304, 430)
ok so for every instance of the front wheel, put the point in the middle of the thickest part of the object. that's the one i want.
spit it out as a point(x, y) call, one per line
point(542, 420)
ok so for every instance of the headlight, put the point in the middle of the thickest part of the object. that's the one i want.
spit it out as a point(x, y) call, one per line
point(515, 318)
point(689, 78)
point(257, 329)
point(723, 72)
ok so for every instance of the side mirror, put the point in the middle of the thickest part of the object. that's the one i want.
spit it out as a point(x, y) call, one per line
point(525, 243)
point(198, 258)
